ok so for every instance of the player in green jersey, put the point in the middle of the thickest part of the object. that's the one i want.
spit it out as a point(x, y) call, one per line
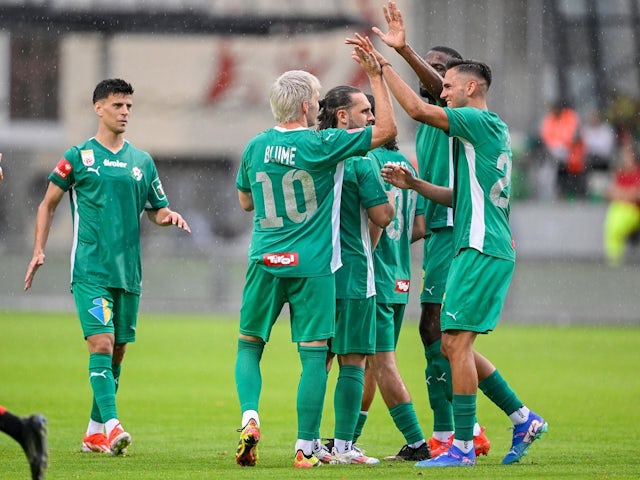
point(484, 252)
point(111, 183)
point(291, 176)
point(434, 151)
point(392, 272)
point(363, 202)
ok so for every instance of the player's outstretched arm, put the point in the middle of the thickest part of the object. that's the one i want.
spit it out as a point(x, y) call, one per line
point(396, 39)
point(385, 128)
point(402, 177)
point(415, 107)
point(166, 217)
point(44, 219)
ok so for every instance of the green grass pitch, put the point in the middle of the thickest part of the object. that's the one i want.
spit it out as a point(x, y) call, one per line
point(178, 401)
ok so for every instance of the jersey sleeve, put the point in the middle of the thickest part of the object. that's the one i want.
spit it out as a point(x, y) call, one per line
point(156, 197)
point(242, 178)
point(339, 144)
point(63, 173)
point(462, 121)
point(372, 192)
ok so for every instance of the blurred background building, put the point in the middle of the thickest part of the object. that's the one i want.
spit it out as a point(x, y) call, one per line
point(201, 70)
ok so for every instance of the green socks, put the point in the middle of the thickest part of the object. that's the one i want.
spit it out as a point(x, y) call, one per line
point(496, 388)
point(103, 386)
point(464, 414)
point(347, 400)
point(311, 391)
point(439, 387)
point(247, 373)
point(406, 420)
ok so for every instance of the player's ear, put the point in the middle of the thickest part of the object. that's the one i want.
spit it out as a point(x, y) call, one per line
point(342, 116)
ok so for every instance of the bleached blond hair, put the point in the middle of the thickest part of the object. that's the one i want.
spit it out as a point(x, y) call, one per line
point(289, 91)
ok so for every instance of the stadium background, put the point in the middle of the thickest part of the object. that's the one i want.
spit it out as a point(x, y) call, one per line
point(201, 70)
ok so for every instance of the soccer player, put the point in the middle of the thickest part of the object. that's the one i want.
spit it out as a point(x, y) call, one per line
point(434, 152)
point(364, 201)
point(484, 259)
point(392, 267)
point(291, 177)
point(111, 183)
point(31, 433)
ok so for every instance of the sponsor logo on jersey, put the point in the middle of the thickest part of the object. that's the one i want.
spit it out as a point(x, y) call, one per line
point(114, 163)
point(355, 130)
point(402, 286)
point(87, 157)
point(287, 259)
point(101, 311)
point(137, 173)
point(63, 168)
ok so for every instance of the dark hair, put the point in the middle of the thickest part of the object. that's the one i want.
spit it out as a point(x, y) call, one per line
point(109, 86)
point(391, 144)
point(335, 99)
point(479, 69)
point(447, 51)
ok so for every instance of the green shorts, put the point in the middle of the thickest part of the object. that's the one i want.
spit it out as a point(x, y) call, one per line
point(106, 310)
point(438, 254)
point(311, 305)
point(355, 326)
point(476, 290)
point(388, 324)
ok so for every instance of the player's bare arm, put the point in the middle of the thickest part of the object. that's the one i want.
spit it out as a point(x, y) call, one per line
point(385, 128)
point(246, 201)
point(382, 214)
point(404, 94)
point(44, 219)
point(1, 175)
point(419, 228)
point(396, 39)
point(166, 217)
point(402, 177)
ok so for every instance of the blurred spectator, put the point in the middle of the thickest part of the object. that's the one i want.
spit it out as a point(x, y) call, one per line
point(599, 141)
point(563, 173)
point(623, 215)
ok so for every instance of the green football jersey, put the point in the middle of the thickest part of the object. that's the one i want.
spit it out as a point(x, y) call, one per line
point(361, 189)
point(482, 182)
point(392, 256)
point(295, 177)
point(109, 191)
point(434, 152)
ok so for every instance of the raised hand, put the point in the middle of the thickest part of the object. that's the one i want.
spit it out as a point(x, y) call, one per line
point(364, 51)
point(398, 176)
point(396, 36)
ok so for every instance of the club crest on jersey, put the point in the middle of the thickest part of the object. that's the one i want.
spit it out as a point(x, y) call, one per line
point(87, 158)
point(137, 173)
point(402, 286)
point(62, 168)
point(287, 259)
